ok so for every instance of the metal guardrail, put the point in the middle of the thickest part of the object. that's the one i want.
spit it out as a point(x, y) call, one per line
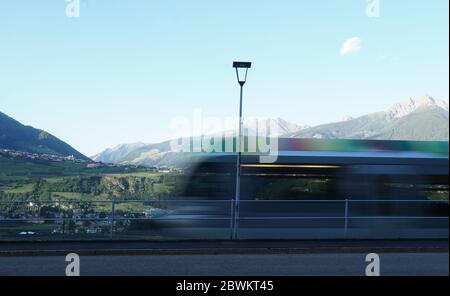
point(112, 217)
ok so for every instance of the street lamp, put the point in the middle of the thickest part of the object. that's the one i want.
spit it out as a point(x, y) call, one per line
point(241, 74)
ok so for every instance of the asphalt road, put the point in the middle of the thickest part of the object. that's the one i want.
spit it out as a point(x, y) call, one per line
point(327, 264)
point(220, 247)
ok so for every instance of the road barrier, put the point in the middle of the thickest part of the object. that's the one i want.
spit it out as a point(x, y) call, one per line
point(213, 219)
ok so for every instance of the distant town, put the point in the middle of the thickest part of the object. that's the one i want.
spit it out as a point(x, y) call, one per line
point(89, 164)
point(59, 215)
point(39, 156)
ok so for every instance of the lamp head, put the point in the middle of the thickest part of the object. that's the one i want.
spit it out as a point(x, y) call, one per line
point(245, 65)
point(242, 71)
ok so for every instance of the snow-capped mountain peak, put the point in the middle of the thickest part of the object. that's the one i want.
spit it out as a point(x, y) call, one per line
point(412, 104)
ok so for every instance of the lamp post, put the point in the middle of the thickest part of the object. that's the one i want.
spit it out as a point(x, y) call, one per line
point(241, 74)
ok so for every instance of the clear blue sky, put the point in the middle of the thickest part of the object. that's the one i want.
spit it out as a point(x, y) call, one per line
point(124, 69)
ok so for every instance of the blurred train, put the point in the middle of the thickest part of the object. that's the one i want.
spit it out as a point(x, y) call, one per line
point(385, 186)
point(327, 169)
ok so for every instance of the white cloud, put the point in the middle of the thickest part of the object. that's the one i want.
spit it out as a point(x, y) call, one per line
point(352, 45)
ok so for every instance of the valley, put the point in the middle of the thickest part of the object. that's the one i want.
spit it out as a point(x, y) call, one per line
point(24, 179)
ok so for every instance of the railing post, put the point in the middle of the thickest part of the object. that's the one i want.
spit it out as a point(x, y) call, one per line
point(237, 221)
point(232, 219)
point(346, 218)
point(113, 213)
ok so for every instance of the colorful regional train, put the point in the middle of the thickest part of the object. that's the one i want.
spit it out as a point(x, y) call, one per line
point(317, 188)
point(328, 169)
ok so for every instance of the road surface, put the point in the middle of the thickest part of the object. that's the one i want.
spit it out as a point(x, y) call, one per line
point(327, 264)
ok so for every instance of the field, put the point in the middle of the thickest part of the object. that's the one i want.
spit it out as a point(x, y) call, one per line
point(65, 199)
point(22, 179)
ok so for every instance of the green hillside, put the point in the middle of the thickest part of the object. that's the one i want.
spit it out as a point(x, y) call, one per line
point(16, 136)
point(425, 124)
point(24, 179)
point(360, 128)
point(430, 124)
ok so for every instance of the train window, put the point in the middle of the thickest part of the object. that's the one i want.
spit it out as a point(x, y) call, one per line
point(287, 188)
point(437, 192)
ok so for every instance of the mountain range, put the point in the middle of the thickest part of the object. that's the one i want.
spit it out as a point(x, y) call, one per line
point(16, 136)
point(281, 127)
point(421, 119)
